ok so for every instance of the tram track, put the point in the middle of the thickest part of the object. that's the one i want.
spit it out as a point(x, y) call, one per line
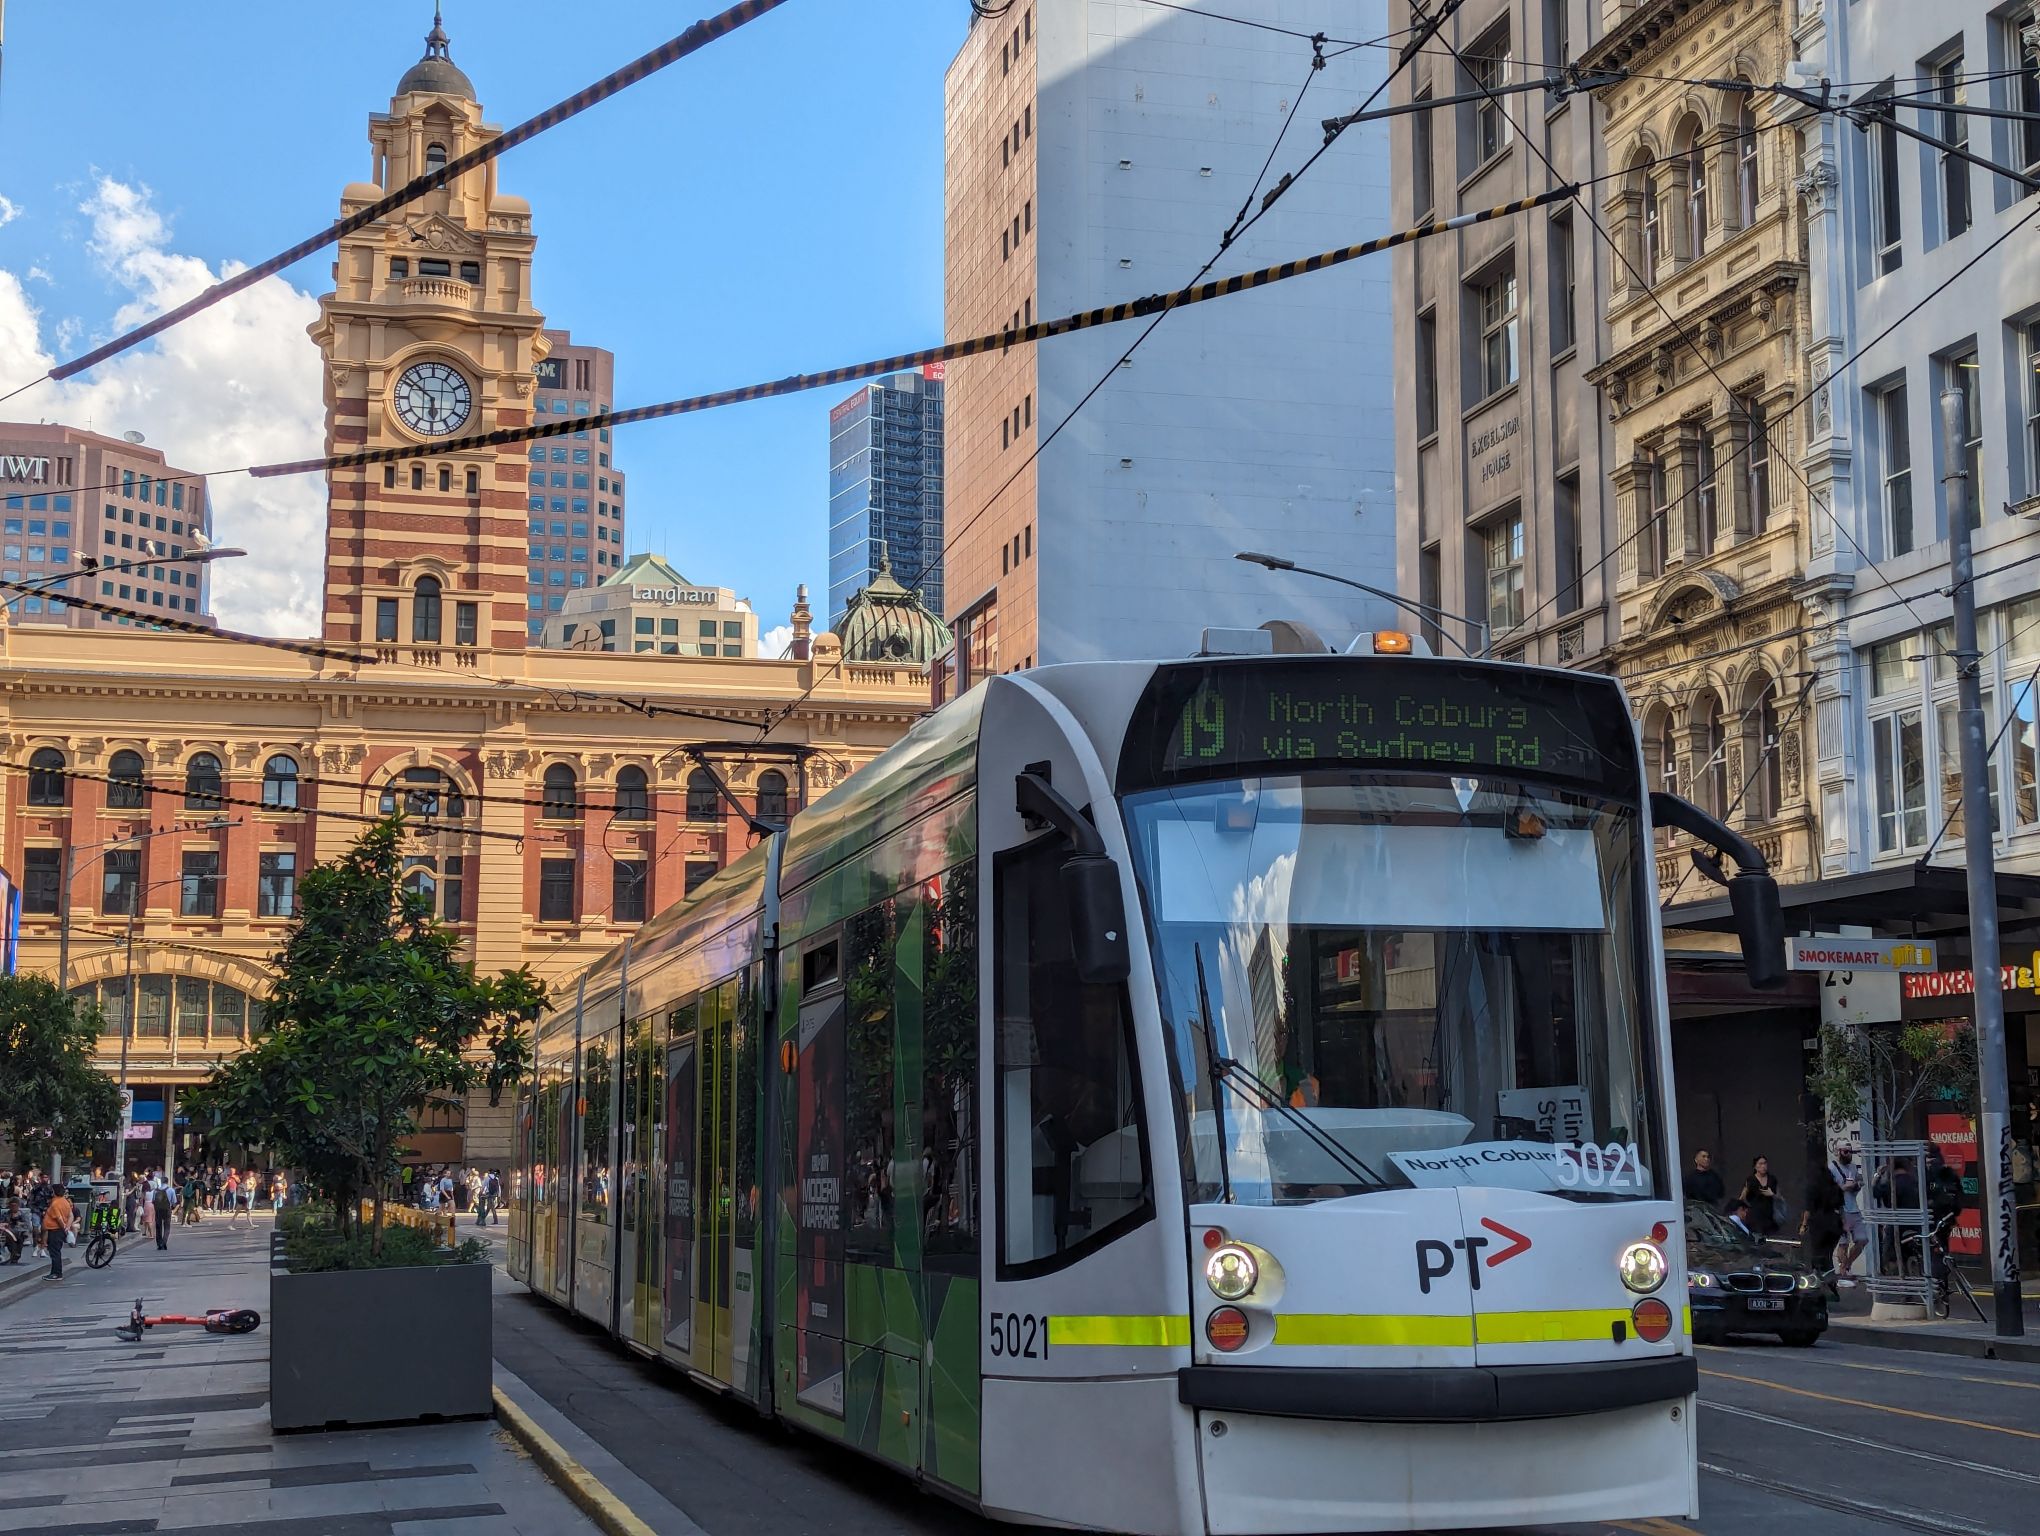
point(1885, 1447)
point(1909, 1519)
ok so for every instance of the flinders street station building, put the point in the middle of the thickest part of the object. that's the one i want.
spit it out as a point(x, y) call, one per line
point(165, 789)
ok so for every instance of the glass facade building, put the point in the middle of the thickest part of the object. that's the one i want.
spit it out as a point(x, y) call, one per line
point(576, 493)
point(885, 488)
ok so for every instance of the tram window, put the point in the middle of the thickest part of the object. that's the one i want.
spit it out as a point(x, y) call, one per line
point(1073, 1172)
point(594, 1170)
point(627, 1137)
point(869, 939)
point(819, 966)
point(949, 1058)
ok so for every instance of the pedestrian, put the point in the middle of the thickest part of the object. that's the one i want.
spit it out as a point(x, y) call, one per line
point(40, 1193)
point(187, 1206)
point(163, 1202)
point(1760, 1194)
point(277, 1189)
point(56, 1230)
point(1848, 1179)
point(446, 1198)
point(492, 1195)
point(1738, 1213)
point(148, 1223)
point(1703, 1183)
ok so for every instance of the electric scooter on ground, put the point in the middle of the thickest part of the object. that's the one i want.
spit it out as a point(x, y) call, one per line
point(219, 1320)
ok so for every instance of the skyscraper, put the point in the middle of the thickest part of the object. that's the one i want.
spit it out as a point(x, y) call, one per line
point(576, 493)
point(885, 487)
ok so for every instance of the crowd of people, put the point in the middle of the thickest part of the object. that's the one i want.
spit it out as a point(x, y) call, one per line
point(1831, 1228)
point(459, 1191)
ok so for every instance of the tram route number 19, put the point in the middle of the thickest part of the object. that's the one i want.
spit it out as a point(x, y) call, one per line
point(1019, 1335)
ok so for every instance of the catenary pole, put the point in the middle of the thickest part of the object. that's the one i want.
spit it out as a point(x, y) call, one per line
point(1994, 1096)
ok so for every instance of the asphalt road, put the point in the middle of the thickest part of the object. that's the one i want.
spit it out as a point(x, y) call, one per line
point(1838, 1440)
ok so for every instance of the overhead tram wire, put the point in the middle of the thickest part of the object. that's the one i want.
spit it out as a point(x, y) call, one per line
point(695, 38)
point(143, 616)
point(1242, 221)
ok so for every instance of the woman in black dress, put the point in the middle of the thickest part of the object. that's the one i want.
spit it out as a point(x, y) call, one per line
point(1760, 1189)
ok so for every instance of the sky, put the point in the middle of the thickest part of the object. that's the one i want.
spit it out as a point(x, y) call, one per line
point(771, 205)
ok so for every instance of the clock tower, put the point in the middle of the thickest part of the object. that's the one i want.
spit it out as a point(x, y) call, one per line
point(429, 334)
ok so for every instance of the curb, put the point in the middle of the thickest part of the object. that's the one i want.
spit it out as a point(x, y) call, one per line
point(2021, 1352)
point(573, 1479)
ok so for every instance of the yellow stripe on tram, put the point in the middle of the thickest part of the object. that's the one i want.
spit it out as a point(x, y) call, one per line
point(1417, 1330)
point(1551, 1327)
point(1120, 1330)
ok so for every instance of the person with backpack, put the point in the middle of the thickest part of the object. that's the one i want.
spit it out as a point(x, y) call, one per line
point(164, 1201)
point(187, 1208)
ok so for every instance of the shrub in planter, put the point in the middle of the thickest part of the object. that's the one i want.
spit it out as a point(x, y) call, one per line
point(372, 1015)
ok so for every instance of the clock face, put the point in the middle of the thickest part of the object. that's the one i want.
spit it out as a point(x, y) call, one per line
point(433, 399)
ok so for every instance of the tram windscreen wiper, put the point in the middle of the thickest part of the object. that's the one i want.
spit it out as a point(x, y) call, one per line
point(1211, 1062)
point(1264, 1097)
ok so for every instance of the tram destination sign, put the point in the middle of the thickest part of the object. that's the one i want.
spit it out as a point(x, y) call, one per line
point(1235, 717)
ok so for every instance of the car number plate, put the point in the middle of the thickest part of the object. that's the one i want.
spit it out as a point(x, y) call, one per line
point(1767, 1303)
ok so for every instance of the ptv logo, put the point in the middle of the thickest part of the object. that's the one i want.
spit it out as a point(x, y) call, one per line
point(1436, 1258)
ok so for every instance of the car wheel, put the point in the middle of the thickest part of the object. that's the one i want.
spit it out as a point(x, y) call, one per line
point(1801, 1338)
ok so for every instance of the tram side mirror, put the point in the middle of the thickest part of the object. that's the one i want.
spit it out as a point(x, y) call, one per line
point(1760, 926)
point(1097, 914)
point(1752, 892)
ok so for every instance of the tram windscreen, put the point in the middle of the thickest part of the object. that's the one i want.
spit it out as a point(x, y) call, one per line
point(1405, 979)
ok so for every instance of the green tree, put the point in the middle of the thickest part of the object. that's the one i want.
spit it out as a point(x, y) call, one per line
point(372, 1014)
point(1881, 1072)
point(51, 1095)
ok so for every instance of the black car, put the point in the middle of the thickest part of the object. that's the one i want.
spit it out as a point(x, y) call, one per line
point(1736, 1284)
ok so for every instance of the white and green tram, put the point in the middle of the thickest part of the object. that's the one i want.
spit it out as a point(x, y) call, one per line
point(1229, 1095)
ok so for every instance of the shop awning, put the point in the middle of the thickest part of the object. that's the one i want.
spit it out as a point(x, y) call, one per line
point(1910, 900)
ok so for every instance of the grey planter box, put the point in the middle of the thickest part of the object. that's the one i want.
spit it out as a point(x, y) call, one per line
point(379, 1346)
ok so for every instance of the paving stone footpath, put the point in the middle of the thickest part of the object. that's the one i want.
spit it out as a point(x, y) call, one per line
point(99, 1437)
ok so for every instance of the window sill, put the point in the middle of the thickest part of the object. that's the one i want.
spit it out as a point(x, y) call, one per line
point(1487, 401)
point(1497, 158)
point(1566, 354)
point(1427, 439)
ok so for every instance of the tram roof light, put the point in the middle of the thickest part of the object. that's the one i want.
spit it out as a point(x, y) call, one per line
point(1392, 642)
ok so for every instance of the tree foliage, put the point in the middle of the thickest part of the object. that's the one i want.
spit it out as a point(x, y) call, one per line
point(372, 1014)
point(51, 1095)
point(1882, 1072)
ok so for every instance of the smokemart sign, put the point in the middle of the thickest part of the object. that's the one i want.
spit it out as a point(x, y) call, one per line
point(2016, 978)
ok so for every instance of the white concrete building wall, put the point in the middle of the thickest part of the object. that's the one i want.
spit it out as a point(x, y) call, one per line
point(1887, 598)
point(1262, 421)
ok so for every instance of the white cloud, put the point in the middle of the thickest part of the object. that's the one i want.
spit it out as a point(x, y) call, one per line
point(235, 384)
point(9, 211)
point(776, 641)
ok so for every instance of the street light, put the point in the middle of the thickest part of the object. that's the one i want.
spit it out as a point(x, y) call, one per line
point(1421, 610)
point(89, 565)
point(69, 869)
point(130, 1011)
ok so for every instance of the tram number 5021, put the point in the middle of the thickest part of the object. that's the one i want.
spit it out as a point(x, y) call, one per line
point(1019, 1335)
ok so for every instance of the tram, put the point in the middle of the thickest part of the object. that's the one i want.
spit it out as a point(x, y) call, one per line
point(1226, 1095)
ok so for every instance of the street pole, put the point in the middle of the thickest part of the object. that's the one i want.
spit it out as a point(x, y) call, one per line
point(1978, 844)
point(127, 1029)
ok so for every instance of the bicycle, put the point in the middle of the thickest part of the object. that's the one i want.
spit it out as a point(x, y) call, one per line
point(99, 1250)
point(1939, 1270)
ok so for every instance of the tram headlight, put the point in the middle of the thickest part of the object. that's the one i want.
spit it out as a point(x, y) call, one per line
point(1231, 1272)
point(1642, 1267)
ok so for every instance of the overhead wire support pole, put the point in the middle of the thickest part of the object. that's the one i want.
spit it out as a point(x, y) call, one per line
point(1979, 854)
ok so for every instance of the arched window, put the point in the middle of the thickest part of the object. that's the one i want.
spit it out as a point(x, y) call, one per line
point(1713, 772)
point(633, 801)
point(560, 801)
point(202, 782)
point(1668, 756)
point(1746, 187)
point(1762, 748)
point(704, 803)
point(124, 787)
point(425, 611)
point(1652, 243)
point(435, 158)
point(280, 783)
point(47, 784)
point(1696, 194)
point(772, 796)
point(423, 792)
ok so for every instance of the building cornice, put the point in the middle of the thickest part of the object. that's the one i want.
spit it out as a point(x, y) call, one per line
point(1655, 25)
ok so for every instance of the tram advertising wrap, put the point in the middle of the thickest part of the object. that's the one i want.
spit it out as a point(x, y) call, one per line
point(1224, 1097)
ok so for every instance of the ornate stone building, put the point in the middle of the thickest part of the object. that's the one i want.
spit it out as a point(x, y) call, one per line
point(163, 792)
point(1708, 319)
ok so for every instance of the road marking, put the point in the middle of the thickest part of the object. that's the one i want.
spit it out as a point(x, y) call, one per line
point(1931, 1524)
point(1889, 1370)
point(1857, 1402)
point(1878, 1445)
point(574, 1480)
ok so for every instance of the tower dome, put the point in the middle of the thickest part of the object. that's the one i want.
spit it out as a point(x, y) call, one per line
point(884, 622)
point(436, 74)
